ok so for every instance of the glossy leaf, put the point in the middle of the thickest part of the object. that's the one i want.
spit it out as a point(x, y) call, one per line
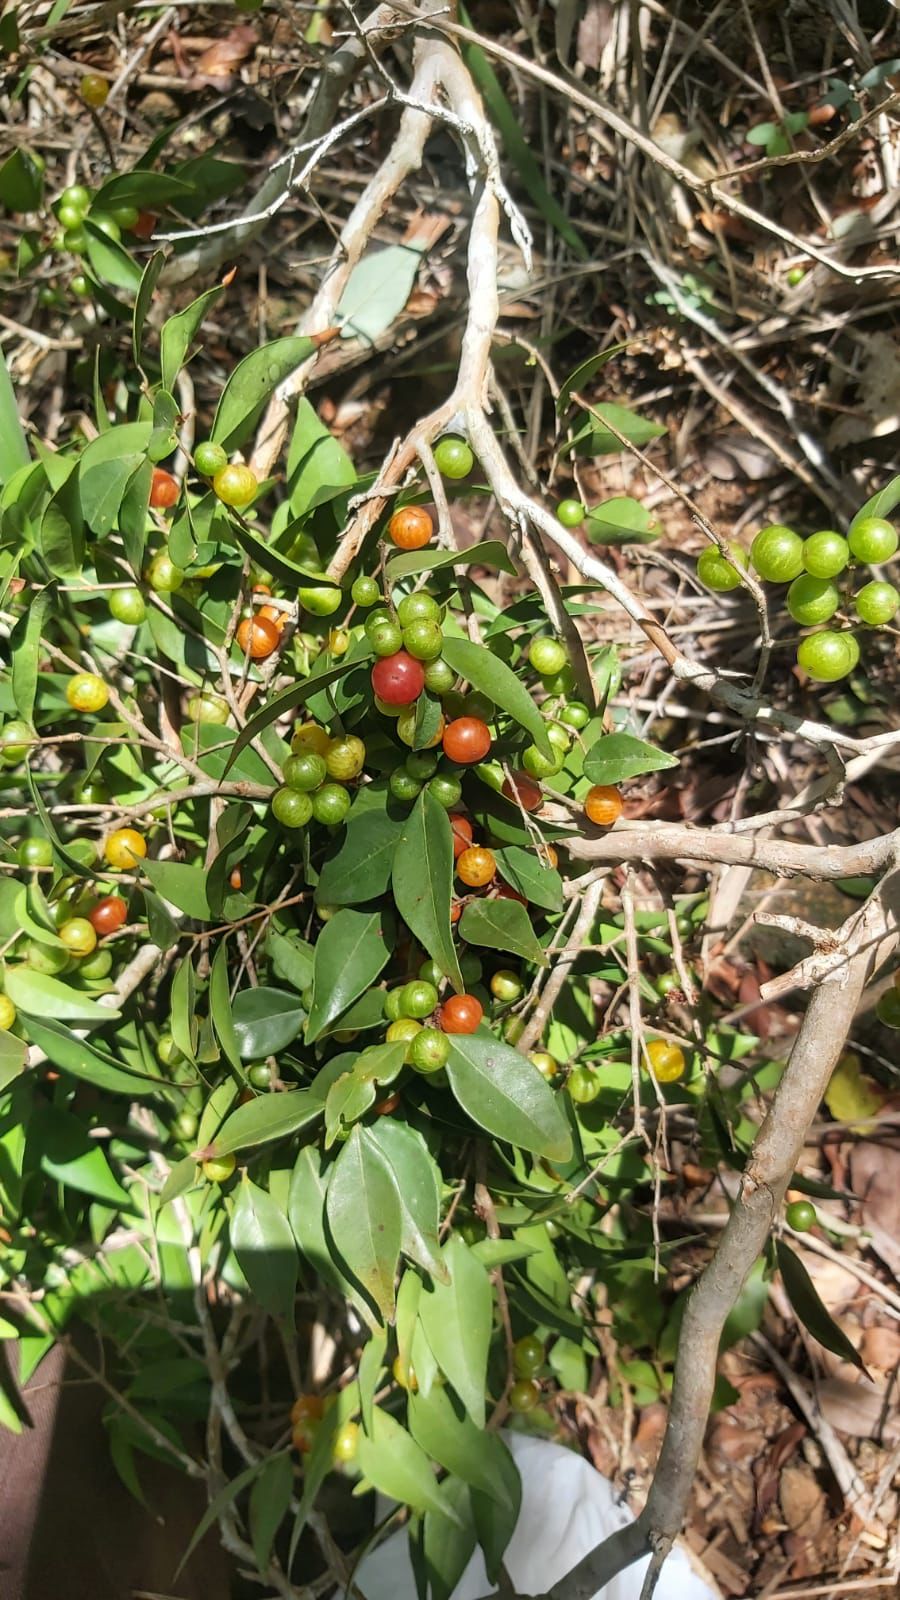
point(43, 997)
point(178, 333)
point(270, 1499)
point(220, 1006)
point(422, 881)
point(621, 520)
point(489, 553)
point(250, 384)
point(494, 678)
point(418, 1184)
point(143, 301)
point(880, 504)
point(66, 1154)
point(457, 1319)
point(147, 190)
point(13, 1055)
point(361, 869)
point(109, 260)
point(445, 1546)
point(398, 1467)
point(104, 470)
point(183, 1008)
point(306, 1213)
point(451, 1438)
point(318, 466)
point(595, 439)
point(805, 1299)
point(496, 1519)
point(364, 1218)
point(88, 1061)
point(350, 952)
point(348, 1099)
point(501, 925)
point(266, 1117)
point(25, 651)
point(13, 447)
point(505, 1094)
point(583, 374)
point(618, 756)
point(181, 885)
point(264, 1245)
point(265, 1021)
point(526, 872)
point(279, 706)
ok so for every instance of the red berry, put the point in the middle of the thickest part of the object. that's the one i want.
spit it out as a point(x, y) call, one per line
point(399, 679)
point(108, 914)
point(164, 490)
point(467, 740)
point(460, 1014)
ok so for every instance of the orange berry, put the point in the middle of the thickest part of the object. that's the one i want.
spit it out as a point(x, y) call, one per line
point(603, 805)
point(164, 490)
point(410, 528)
point(462, 833)
point(258, 637)
point(476, 866)
point(523, 791)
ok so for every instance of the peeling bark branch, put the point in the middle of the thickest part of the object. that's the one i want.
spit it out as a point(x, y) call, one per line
point(662, 841)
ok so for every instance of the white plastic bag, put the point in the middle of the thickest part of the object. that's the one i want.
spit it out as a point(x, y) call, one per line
point(567, 1509)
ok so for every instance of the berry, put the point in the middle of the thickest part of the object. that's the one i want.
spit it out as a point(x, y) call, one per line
point(506, 986)
point(145, 225)
point(305, 771)
point(461, 1013)
point(106, 224)
point(446, 789)
point(418, 998)
point(522, 791)
point(76, 197)
point(7, 1013)
point(345, 1444)
point(35, 853)
point(126, 217)
point(476, 867)
point(124, 847)
point(537, 765)
point(418, 607)
point(81, 286)
point(827, 656)
point(583, 1085)
point(717, 572)
point(825, 554)
point(423, 639)
point(529, 1355)
point(559, 736)
point(429, 1051)
point(108, 915)
point(524, 1395)
point(87, 692)
point(462, 835)
point(466, 740)
point(345, 757)
point(307, 1408)
point(404, 1374)
point(94, 90)
point(45, 958)
point(164, 490)
point(547, 656)
point(163, 576)
point(291, 808)
point(184, 1127)
point(78, 936)
point(218, 1169)
point(666, 1060)
point(547, 1065)
point(453, 457)
point(888, 1008)
point(399, 679)
point(258, 637)
point(70, 217)
point(309, 736)
point(365, 591)
point(403, 1029)
point(127, 605)
point(207, 708)
point(330, 804)
point(812, 600)
point(410, 528)
point(386, 638)
point(603, 805)
point(406, 728)
point(391, 1004)
point(96, 966)
point(76, 242)
point(321, 601)
point(403, 786)
point(235, 485)
point(570, 513)
point(421, 764)
point(439, 676)
point(876, 603)
point(777, 554)
point(801, 1216)
point(873, 540)
point(209, 458)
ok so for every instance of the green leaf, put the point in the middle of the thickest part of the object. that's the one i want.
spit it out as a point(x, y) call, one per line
point(486, 672)
point(14, 454)
point(182, 1177)
point(21, 182)
point(396, 1465)
point(268, 1116)
point(149, 191)
point(263, 1243)
point(525, 871)
point(279, 705)
point(110, 261)
point(490, 553)
point(503, 1092)
point(220, 1007)
point(252, 381)
point(62, 531)
point(617, 756)
point(133, 518)
point(594, 439)
point(804, 1297)
point(361, 869)
point(428, 723)
point(621, 520)
point(291, 957)
point(223, 1096)
point(178, 333)
point(42, 996)
point(348, 1099)
point(456, 1442)
point(350, 952)
point(457, 1319)
point(13, 1055)
point(880, 504)
point(87, 1061)
point(265, 1021)
point(583, 374)
point(183, 1008)
point(378, 289)
point(218, 1504)
point(445, 1547)
point(495, 1520)
point(318, 466)
point(418, 1183)
point(182, 885)
point(422, 881)
point(66, 1154)
point(143, 301)
point(306, 1211)
point(25, 650)
point(270, 1500)
point(364, 1218)
point(272, 561)
point(501, 925)
point(104, 470)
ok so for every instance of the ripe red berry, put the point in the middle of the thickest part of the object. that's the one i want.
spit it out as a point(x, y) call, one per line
point(108, 915)
point(462, 834)
point(461, 1013)
point(523, 791)
point(258, 637)
point(466, 740)
point(399, 679)
point(164, 490)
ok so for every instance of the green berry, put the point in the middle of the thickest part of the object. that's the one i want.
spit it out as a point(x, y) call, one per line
point(423, 640)
point(421, 764)
point(77, 197)
point(291, 808)
point(453, 457)
point(877, 603)
point(35, 852)
point(547, 656)
point(439, 677)
point(127, 605)
point(446, 789)
point(418, 998)
point(583, 1085)
point(163, 576)
point(260, 1074)
point(331, 803)
point(777, 554)
point(125, 216)
point(873, 540)
point(104, 223)
point(524, 1395)
point(365, 591)
point(529, 1355)
point(507, 986)
point(827, 656)
point(570, 513)
point(812, 600)
point(403, 786)
point(209, 458)
point(431, 972)
point(16, 739)
point(391, 1004)
point(321, 601)
point(574, 714)
point(385, 638)
point(305, 771)
point(825, 554)
point(418, 607)
point(719, 573)
point(429, 1050)
point(887, 1009)
point(540, 766)
point(801, 1216)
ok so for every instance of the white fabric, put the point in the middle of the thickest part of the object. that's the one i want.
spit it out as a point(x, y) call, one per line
point(567, 1509)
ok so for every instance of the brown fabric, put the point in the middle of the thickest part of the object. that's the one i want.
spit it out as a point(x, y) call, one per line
point(69, 1527)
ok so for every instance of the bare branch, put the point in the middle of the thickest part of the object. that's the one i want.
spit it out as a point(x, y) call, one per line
point(664, 841)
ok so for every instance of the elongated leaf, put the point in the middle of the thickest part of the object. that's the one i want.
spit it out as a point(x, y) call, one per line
point(276, 564)
point(149, 191)
point(24, 647)
point(13, 1054)
point(66, 1154)
point(363, 1210)
point(318, 467)
point(594, 439)
point(443, 1549)
point(502, 925)
point(178, 333)
point(371, 1366)
point(880, 504)
point(503, 1092)
point(87, 1061)
point(42, 997)
point(391, 1459)
point(458, 1443)
point(418, 1182)
point(143, 301)
point(182, 1177)
point(490, 553)
point(805, 1299)
point(361, 870)
point(279, 705)
point(351, 951)
point(265, 1021)
point(268, 1116)
point(110, 260)
point(13, 448)
point(262, 1240)
point(496, 1520)
point(422, 879)
point(378, 289)
point(494, 678)
point(270, 1499)
point(104, 470)
point(528, 874)
point(220, 1503)
point(583, 374)
point(182, 885)
point(621, 520)
point(348, 1099)
point(220, 1007)
point(252, 381)
point(457, 1318)
point(70, 862)
point(618, 756)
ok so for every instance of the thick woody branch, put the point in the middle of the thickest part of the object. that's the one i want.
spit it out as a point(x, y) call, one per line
point(865, 940)
point(661, 841)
